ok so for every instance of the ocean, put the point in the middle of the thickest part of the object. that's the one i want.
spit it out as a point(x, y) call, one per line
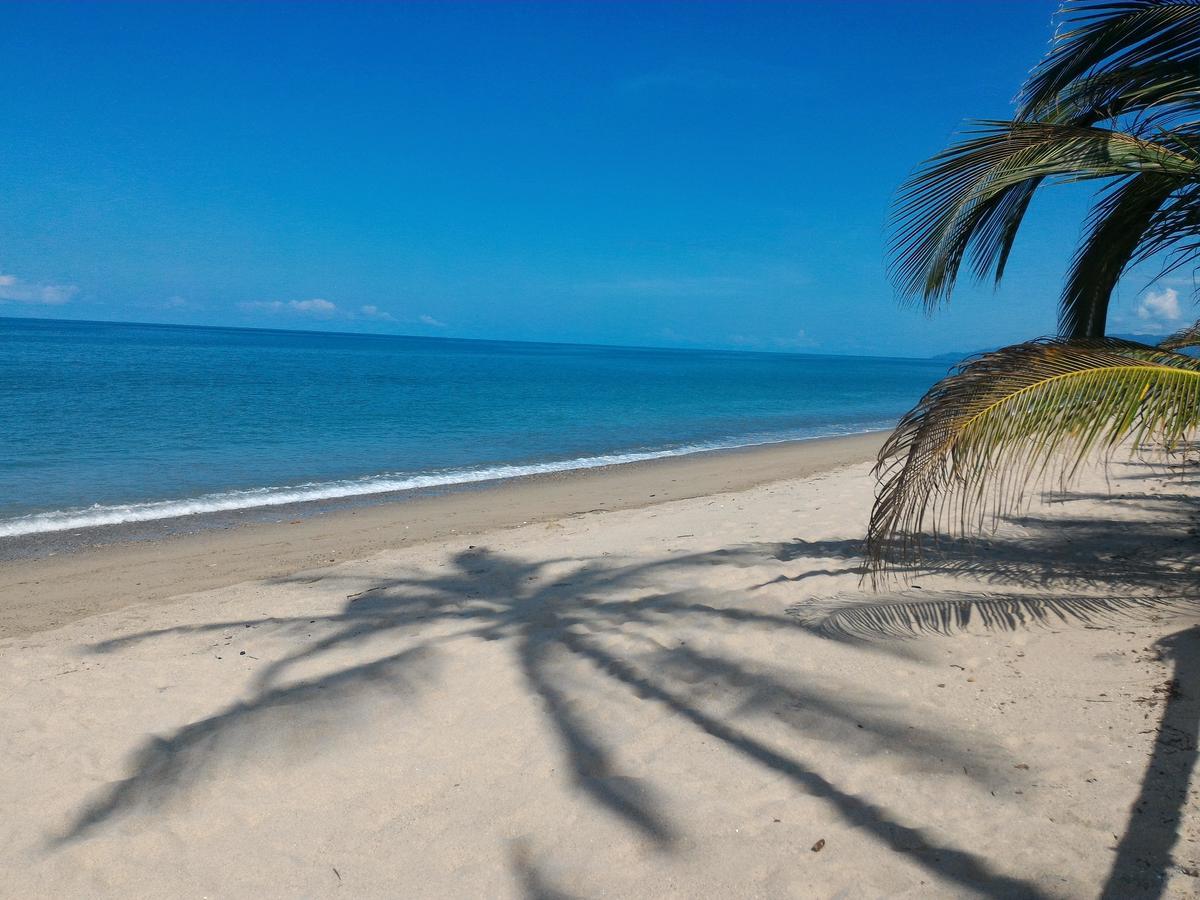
point(104, 423)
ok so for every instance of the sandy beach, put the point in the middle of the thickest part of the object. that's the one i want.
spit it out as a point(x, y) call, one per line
point(658, 680)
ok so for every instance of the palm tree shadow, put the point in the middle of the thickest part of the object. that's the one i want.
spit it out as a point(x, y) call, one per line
point(1047, 570)
point(1144, 854)
point(164, 765)
point(577, 618)
point(1125, 571)
point(911, 614)
point(1042, 552)
point(1057, 572)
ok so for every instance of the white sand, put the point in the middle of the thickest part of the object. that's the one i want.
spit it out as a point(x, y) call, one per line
point(640, 703)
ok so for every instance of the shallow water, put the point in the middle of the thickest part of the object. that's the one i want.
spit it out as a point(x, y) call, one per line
point(110, 423)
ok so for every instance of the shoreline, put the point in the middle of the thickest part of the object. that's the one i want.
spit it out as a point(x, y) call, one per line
point(55, 578)
point(85, 527)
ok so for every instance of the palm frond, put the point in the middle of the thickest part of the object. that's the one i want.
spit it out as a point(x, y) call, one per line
point(1156, 354)
point(1183, 338)
point(1098, 38)
point(1117, 226)
point(1174, 231)
point(1143, 99)
point(973, 196)
point(1012, 419)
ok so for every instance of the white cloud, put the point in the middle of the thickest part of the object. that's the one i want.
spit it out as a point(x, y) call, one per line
point(265, 305)
point(14, 290)
point(1160, 306)
point(325, 309)
point(798, 340)
point(372, 311)
point(314, 307)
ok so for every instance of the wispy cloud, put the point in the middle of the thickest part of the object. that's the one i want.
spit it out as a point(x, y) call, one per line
point(784, 343)
point(371, 311)
point(317, 307)
point(173, 303)
point(15, 290)
point(797, 340)
point(320, 308)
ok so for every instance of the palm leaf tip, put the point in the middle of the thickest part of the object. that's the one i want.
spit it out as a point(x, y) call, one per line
point(1183, 338)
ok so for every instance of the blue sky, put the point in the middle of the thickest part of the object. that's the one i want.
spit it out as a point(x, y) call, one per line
point(708, 175)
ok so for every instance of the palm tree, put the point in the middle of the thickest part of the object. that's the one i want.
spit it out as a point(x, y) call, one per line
point(1117, 99)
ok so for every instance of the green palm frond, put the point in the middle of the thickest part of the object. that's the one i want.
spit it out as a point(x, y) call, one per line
point(1174, 231)
point(971, 197)
point(1183, 338)
point(1010, 420)
point(1148, 97)
point(1118, 225)
point(1099, 38)
point(1158, 354)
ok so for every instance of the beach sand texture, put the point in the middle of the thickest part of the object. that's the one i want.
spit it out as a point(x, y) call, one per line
point(692, 696)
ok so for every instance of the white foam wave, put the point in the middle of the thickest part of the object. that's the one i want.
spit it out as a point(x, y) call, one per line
point(120, 514)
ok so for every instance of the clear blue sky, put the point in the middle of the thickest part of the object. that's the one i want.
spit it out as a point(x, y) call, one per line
point(664, 174)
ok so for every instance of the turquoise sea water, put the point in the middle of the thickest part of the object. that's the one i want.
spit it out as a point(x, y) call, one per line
point(107, 423)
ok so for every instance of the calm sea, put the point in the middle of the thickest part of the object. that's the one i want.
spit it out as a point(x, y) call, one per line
point(107, 423)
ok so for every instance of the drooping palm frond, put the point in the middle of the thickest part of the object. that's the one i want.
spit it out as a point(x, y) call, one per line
point(1010, 420)
point(1158, 354)
point(1098, 38)
point(1118, 225)
point(971, 197)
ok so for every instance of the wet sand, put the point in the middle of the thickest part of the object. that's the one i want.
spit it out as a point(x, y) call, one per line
point(60, 577)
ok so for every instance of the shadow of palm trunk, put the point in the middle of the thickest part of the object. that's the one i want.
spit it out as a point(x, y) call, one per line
point(1144, 855)
point(532, 882)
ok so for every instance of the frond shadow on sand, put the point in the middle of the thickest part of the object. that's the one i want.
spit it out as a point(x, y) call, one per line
point(543, 618)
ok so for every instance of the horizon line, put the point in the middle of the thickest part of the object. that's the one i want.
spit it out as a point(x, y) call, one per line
point(375, 334)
